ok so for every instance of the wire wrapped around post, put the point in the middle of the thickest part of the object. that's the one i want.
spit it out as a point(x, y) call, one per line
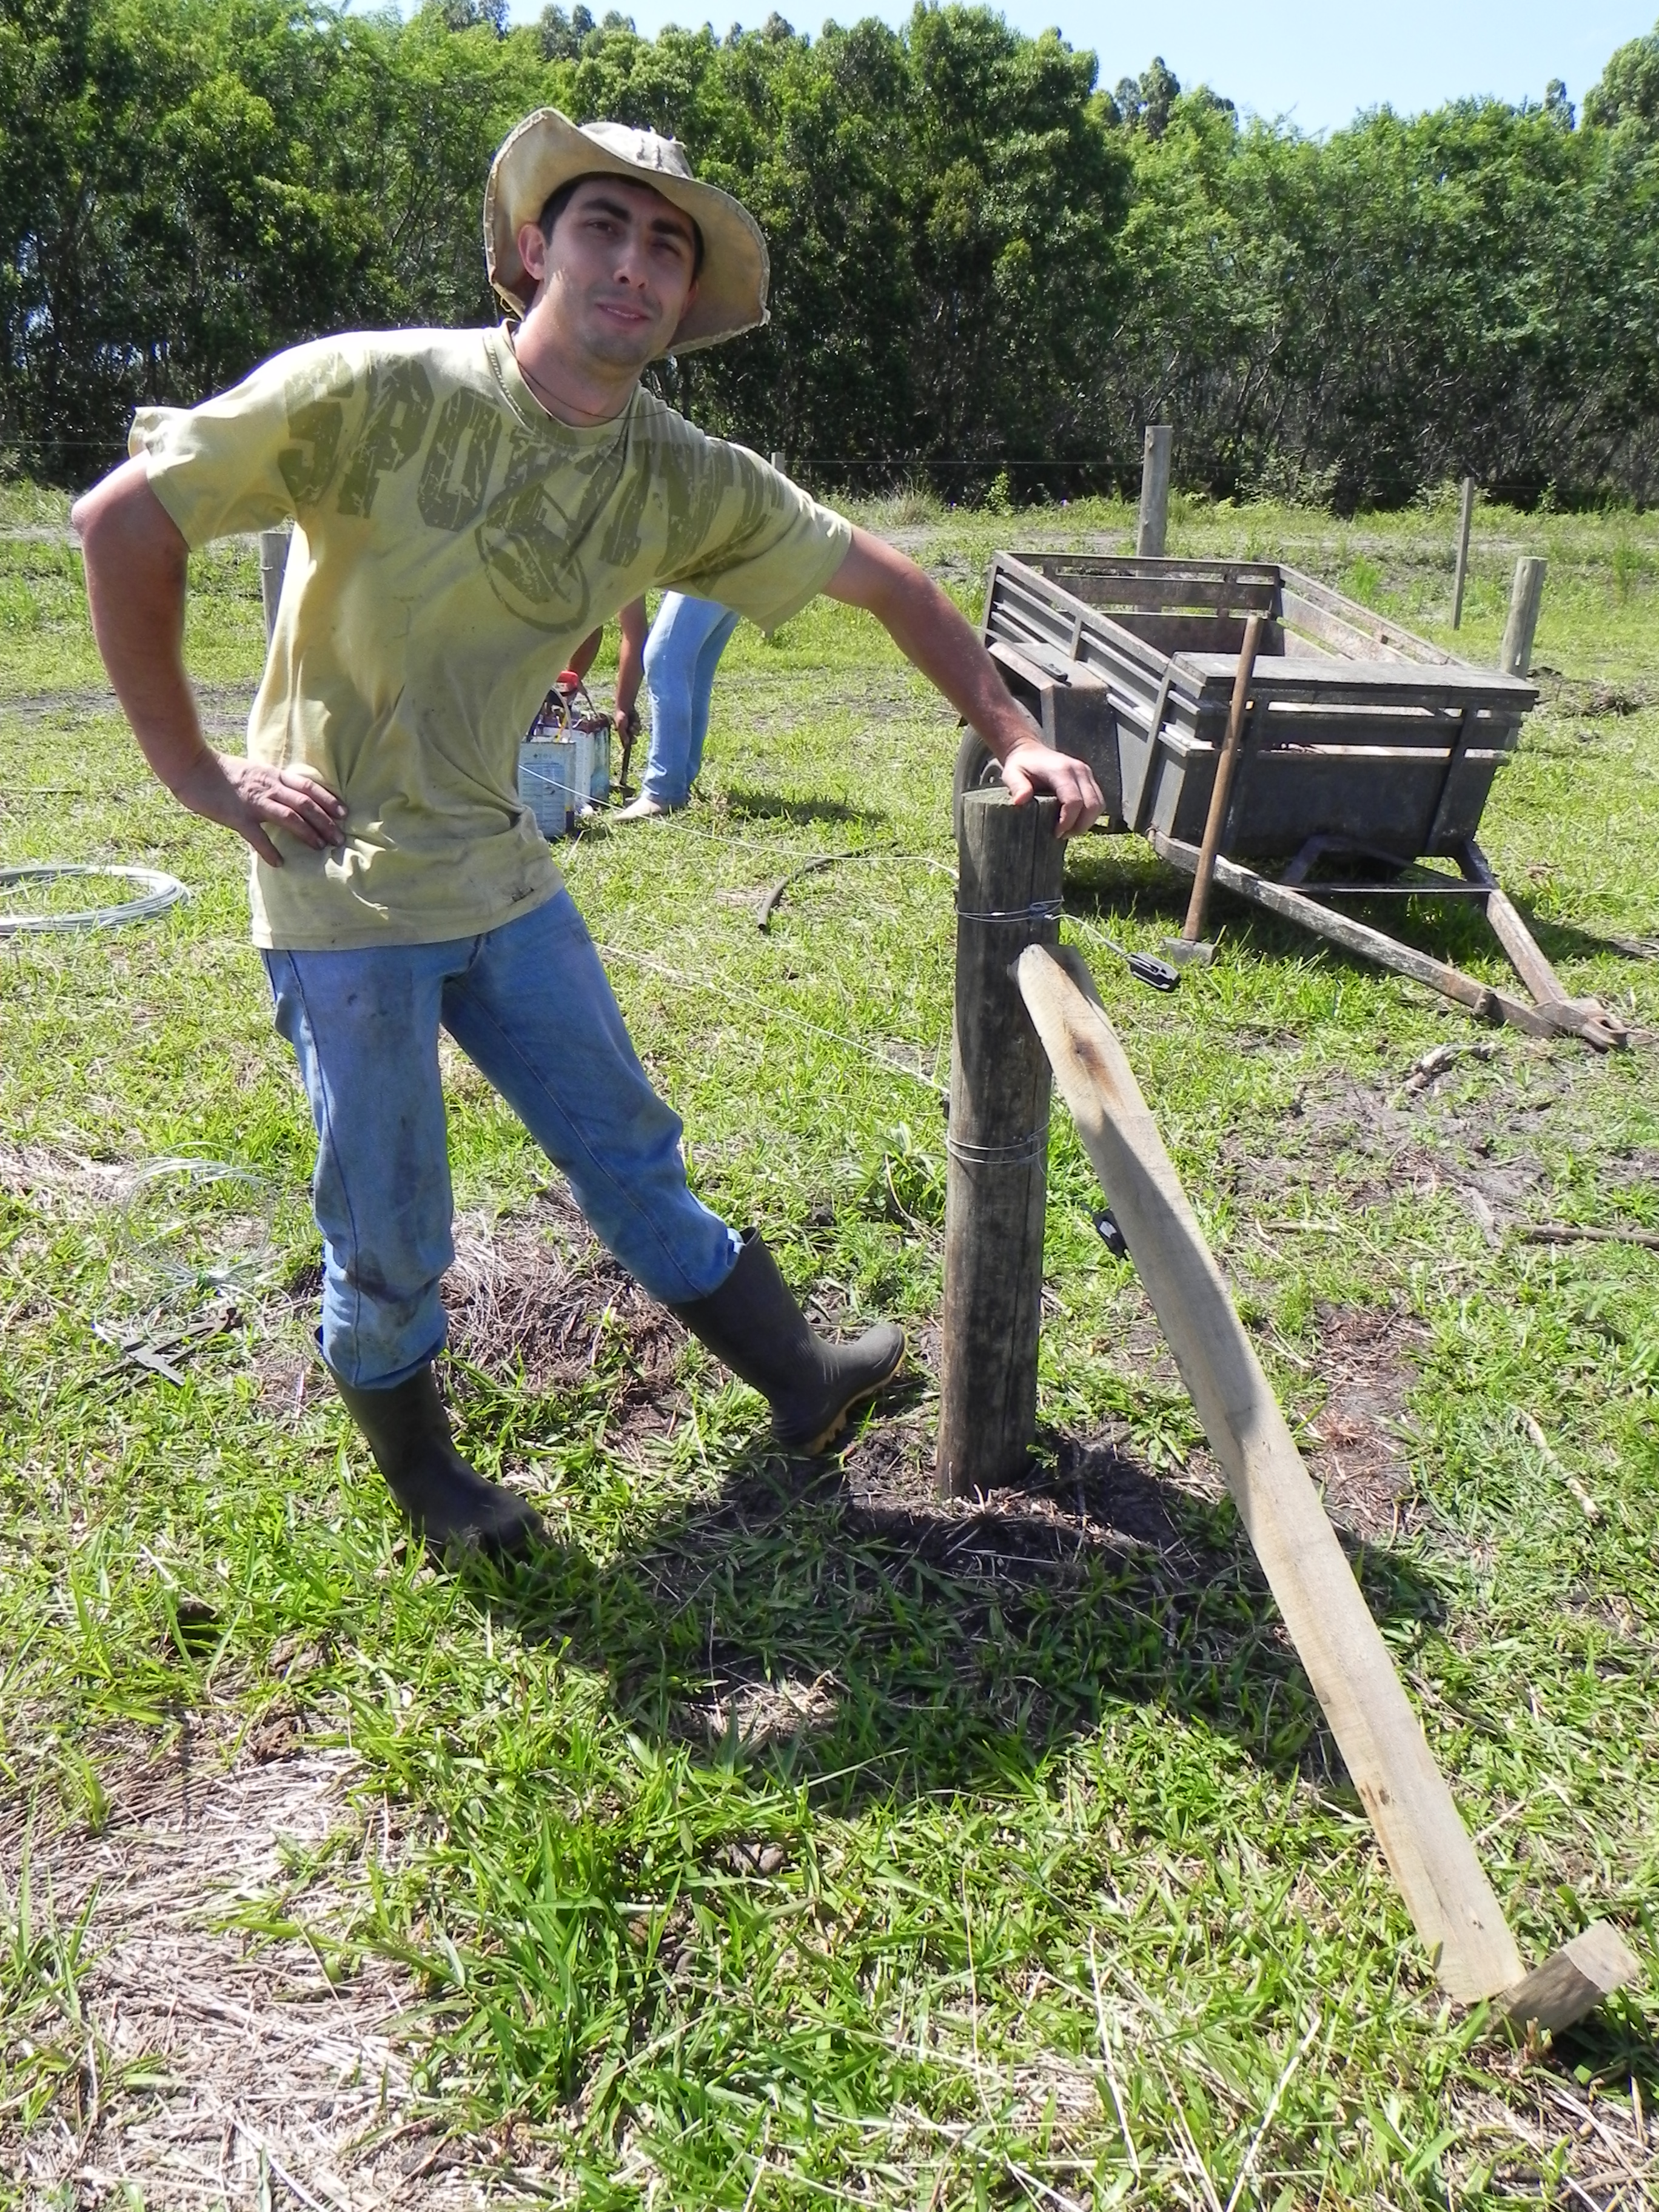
point(1008, 897)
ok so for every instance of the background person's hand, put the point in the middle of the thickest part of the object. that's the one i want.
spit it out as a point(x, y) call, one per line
point(247, 796)
point(1029, 766)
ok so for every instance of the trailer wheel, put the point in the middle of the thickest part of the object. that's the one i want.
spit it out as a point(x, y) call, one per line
point(977, 769)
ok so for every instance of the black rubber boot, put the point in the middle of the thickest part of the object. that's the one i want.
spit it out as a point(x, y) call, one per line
point(754, 1325)
point(442, 1497)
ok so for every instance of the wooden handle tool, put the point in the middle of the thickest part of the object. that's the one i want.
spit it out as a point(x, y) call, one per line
point(1222, 791)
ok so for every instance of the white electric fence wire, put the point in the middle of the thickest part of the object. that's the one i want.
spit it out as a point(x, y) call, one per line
point(770, 848)
point(772, 1011)
point(181, 1236)
point(161, 892)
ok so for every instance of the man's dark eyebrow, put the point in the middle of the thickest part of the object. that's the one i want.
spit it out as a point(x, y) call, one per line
point(681, 228)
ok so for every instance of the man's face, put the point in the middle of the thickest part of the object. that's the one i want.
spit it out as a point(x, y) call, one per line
point(617, 274)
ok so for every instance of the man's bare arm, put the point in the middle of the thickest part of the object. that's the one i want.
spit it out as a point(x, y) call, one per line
point(136, 563)
point(929, 631)
point(630, 660)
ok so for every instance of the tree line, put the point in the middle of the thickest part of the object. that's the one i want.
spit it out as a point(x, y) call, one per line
point(985, 263)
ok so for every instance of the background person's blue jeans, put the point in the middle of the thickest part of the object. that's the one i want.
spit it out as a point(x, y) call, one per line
point(681, 655)
point(530, 1006)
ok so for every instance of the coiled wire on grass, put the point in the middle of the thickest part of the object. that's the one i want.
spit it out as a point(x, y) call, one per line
point(163, 891)
point(191, 1226)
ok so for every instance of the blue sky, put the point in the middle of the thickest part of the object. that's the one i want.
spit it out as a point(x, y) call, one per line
point(1314, 61)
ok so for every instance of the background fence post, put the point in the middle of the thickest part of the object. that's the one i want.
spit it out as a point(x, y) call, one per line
point(1153, 529)
point(273, 559)
point(1515, 654)
point(1460, 575)
point(1007, 898)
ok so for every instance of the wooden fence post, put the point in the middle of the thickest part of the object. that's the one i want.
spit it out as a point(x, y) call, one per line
point(1153, 530)
point(273, 559)
point(1008, 897)
point(1515, 654)
point(1460, 574)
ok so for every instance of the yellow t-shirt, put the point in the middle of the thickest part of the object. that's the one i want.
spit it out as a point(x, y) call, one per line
point(453, 545)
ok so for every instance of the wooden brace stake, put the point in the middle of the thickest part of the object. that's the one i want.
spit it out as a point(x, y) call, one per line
point(1584, 1019)
point(1417, 1823)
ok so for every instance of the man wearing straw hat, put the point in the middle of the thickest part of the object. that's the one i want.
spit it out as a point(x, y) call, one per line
point(467, 505)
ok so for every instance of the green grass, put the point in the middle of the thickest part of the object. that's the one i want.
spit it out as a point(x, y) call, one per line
point(1041, 1882)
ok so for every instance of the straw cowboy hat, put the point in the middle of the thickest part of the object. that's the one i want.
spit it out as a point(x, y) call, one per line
point(547, 149)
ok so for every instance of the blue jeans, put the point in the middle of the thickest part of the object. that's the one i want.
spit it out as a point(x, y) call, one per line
point(530, 1006)
point(681, 655)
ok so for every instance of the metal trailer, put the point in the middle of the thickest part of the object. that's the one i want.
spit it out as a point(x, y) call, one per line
point(1365, 749)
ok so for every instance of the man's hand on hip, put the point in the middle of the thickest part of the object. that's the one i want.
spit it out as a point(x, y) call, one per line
point(136, 561)
point(250, 798)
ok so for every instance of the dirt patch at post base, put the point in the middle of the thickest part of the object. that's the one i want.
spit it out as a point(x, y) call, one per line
point(535, 1302)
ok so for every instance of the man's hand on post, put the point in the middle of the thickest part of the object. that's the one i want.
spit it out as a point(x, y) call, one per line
point(1029, 767)
point(932, 633)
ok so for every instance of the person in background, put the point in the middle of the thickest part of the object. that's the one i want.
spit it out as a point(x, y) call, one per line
point(681, 655)
point(630, 651)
